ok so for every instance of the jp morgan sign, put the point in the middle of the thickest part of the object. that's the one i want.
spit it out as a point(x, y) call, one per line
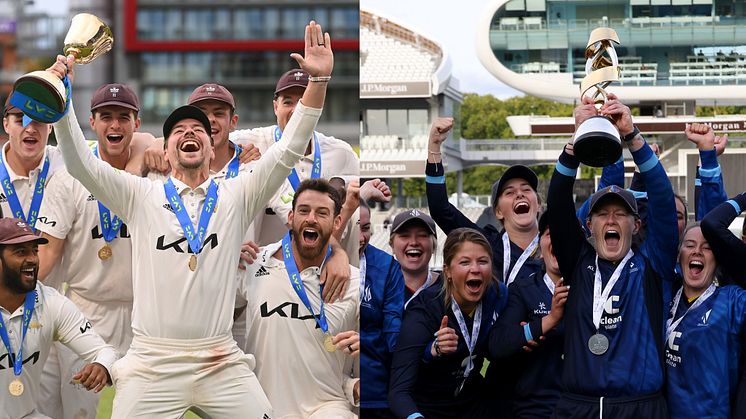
point(392, 169)
point(404, 89)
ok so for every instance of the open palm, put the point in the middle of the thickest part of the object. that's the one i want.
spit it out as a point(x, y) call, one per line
point(317, 59)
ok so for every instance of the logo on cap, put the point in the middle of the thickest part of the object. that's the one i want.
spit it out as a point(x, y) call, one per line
point(614, 189)
point(21, 224)
point(298, 75)
point(415, 213)
point(114, 91)
point(209, 89)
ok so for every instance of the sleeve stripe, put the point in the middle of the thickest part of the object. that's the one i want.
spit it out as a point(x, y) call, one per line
point(566, 170)
point(527, 332)
point(698, 181)
point(735, 205)
point(438, 180)
point(649, 164)
point(639, 194)
point(710, 172)
point(415, 415)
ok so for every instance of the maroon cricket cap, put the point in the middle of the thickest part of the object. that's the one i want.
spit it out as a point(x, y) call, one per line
point(15, 231)
point(115, 94)
point(212, 91)
point(293, 78)
point(10, 108)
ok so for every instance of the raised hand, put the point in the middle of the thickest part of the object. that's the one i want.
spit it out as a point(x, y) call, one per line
point(439, 131)
point(446, 340)
point(63, 67)
point(375, 190)
point(317, 59)
point(619, 113)
point(585, 110)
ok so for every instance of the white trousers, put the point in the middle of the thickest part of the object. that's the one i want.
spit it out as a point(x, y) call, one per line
point(59, 398)
point(164, 377)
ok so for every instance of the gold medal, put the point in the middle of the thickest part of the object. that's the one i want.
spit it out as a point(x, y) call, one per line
point(16, 387)
point(105, 253)
point(193, 263)
point(328, 344)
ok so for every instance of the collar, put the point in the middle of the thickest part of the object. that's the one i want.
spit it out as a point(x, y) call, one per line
point(13, 176)
point(182, 187)
point(272, 262)
point(39, 299)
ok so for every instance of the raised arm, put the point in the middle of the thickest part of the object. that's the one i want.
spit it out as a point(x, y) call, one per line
point(444, 214)
point(661, 241)
point(729, 251)
point(709, 182)
point(275, 165)
point(117, 190)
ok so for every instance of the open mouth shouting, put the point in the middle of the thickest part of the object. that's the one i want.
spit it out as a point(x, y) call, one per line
point(612, 238)
point(28, 272)
point(115, 138)
point(310, 236)
point(413, 255)
point(190, 145)
point(30, 141)
point(696, 266)
point(521, 207)
point(474, 285)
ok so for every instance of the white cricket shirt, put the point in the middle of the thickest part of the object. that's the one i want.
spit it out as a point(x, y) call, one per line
point(55, 318)
point(171, 301)
point(283, 336)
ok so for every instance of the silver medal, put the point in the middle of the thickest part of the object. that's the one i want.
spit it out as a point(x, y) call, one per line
point(598, 344)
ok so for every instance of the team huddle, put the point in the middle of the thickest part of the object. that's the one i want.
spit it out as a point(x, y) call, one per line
point(617, 308)
point(126, 259)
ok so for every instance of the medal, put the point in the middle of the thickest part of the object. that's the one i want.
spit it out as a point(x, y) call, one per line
point(459, 388)
point(105, 253)
point(15, 388)
point(328, 344)
point(598, 344)
point(193, 263)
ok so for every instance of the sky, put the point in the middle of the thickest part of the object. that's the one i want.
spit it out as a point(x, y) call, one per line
point(454, 28)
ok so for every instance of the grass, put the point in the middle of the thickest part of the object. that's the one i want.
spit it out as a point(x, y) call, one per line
point(107, 397)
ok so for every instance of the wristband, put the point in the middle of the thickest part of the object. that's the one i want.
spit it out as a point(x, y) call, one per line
point(320, 79)
point(631, 136)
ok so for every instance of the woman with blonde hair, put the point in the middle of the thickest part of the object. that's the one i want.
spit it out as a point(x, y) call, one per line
point(435, 371)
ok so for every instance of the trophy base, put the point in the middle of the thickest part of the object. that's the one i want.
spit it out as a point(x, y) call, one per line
point(597, 142)
point(42, 94)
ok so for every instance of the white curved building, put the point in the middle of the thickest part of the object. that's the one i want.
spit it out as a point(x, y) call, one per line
point(672, 52)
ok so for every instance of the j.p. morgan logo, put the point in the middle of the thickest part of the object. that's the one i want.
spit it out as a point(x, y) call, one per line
point(411, 89)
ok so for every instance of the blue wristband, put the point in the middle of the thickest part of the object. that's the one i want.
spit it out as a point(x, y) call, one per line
point(527, 332)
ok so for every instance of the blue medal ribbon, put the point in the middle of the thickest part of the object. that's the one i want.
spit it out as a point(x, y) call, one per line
point(28, 310)
point(10, 192)
point(110, 225)
point(315, 171)
point(235, 163)
point(297, 283)
point(34, 110)
point(194, 238)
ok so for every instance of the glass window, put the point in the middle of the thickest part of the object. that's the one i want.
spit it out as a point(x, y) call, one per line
point(345, 23)
point(271, 23)
point(222, 25)
point(375, 122)
point(172, 27)
point(397, 122)
point(418, 122)
point(294, 22)
point(197, 24)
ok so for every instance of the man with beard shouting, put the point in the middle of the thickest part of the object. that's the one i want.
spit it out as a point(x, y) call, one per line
point(32, 317)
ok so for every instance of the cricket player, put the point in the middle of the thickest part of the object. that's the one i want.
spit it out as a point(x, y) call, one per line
point(90, 248)
point(32, 317)
point(290, 328)
point(182, 354)
point(614, 324)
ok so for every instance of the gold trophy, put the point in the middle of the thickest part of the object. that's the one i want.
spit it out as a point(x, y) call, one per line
point(597, 142)
point(41, 95)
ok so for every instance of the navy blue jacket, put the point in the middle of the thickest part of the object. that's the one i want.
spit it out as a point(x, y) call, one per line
point(633, 319)
point(702, 356)
point(537, 387)
point(381, 307)
point(427, 387)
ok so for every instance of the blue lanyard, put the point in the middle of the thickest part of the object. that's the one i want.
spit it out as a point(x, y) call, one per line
point(315, 171)
point(10, 192)
point(109, 224)
point(235, 163)
point(297, 283)
point(28, 310)
point(211, 199)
